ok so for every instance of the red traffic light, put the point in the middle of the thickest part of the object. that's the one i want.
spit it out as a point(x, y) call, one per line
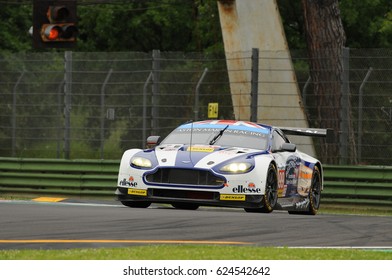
point(54, 23)
point(50, 33)
point(60, 32)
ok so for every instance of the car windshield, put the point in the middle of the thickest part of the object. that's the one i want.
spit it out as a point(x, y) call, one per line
point(229, 138)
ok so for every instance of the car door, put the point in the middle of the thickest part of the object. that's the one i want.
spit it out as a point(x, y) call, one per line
point(288, 164)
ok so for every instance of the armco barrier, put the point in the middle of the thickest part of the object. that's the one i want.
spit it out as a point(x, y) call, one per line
point(348, 185)
point(358, 185)
point(53, 176)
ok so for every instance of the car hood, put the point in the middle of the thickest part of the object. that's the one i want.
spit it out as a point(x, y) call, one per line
point(198, 156)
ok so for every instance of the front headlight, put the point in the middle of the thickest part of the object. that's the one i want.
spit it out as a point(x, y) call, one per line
point(236, 167)
point(140, 162)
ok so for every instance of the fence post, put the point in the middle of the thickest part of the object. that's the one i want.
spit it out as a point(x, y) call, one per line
point(67, 103)
point(144, 134)
point(360, 108)
point(197, 94)
point(345, 108)
point(59, 111)
point(156, 67)
point(305, 91)
point(254, 85)
point(14, 113)
point(103, 110)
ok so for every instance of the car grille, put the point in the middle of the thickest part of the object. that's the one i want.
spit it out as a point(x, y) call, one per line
point(188, 177)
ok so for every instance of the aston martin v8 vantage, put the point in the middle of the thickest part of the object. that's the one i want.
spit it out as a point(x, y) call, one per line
point(224, 163)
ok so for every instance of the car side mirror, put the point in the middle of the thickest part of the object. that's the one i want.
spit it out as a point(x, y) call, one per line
point(152, 141)
point(289, 147)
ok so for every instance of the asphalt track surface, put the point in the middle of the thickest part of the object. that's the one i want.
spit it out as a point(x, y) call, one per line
point(62, 225)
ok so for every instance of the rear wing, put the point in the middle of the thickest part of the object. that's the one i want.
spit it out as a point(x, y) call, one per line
point(312, 132)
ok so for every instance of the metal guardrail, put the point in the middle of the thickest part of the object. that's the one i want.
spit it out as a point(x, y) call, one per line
point(348, 185)
point(53, 176)
point(358, 185)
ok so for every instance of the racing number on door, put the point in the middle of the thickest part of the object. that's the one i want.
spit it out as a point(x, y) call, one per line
point(281, 186)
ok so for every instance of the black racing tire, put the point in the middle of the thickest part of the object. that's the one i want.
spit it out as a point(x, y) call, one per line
point(314, 195)
point(315, 192)
point(185, 206)
point(270, 196)
point(136, 204)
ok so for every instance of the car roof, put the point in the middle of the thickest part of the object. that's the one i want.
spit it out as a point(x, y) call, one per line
point(233, 125)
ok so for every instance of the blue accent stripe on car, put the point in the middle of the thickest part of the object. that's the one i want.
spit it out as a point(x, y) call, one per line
point(186, 159)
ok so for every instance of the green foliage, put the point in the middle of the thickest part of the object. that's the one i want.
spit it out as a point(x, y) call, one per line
point(169, 25)
point(368, 23)
point(112, 148)
point(187, 25)
point(15, 23)
point(207, 34)
point(293, 23)
point(47, 149)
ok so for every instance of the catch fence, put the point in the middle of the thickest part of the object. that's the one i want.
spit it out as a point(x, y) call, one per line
point(96, 105)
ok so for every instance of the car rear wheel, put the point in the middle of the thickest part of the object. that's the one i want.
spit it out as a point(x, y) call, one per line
point(136, 204)
point(270, 196)
point(314, 194)
point(185, 206)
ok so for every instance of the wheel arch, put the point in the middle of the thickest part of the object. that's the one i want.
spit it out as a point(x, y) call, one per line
point(320, 168)
point(125, 160)
point(263, 163)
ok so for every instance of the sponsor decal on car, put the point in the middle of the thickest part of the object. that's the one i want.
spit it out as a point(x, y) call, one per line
point(292, 168)
point(200, 149)
point(282, 187)
point(302, 205)
point(250, 189)
point(129, 183)
point(231, 122)
point(304, 180)
point(137, 192)
point(234, 197)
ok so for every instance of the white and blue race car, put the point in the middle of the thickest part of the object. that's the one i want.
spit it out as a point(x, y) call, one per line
point(223, 163)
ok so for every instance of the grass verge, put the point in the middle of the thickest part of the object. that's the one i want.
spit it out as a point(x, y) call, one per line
point(197, 252)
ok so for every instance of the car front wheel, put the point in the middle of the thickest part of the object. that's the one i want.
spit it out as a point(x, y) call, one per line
point(270, 196)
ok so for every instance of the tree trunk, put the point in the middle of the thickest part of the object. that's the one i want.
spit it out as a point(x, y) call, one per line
point(326, 38)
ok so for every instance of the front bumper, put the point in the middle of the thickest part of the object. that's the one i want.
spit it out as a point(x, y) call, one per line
point(202, 198)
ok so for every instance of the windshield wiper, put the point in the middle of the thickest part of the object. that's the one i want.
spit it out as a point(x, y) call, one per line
point(216, 137)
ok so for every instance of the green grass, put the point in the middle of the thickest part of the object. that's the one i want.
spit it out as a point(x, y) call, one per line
point(355, 210)
point(197, 252)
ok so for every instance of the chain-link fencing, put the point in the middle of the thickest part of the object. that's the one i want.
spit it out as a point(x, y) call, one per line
point(96, 105)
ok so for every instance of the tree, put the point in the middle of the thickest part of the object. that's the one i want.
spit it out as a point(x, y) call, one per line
point(185, 25)
point(368, 23)
point(14, 27)
point(326, 39)
point(135, 26)
point(167, 25)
